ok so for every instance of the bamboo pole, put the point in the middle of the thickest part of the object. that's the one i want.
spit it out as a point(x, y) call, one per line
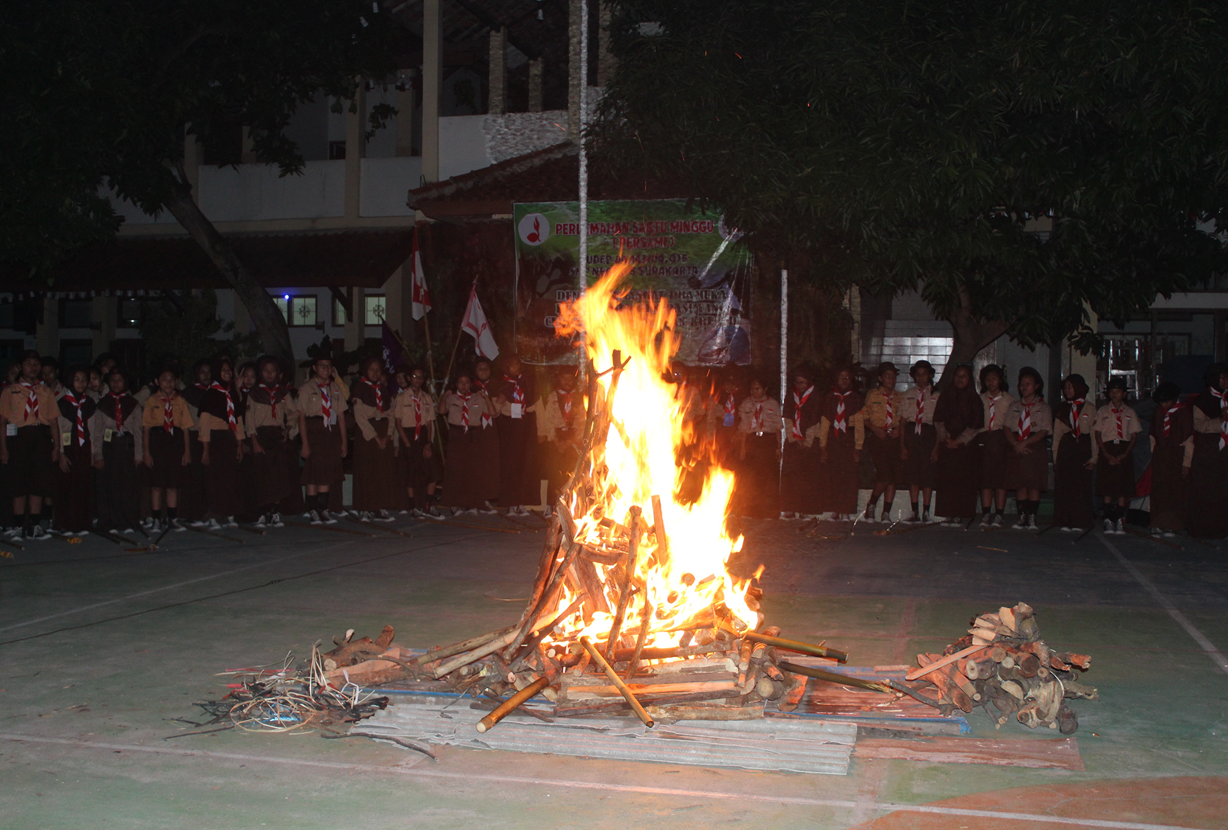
point(617, 681)
point(471, 656)
point(624, 595)
point(509, 705)
point(801, 648)
point(836, 677)
point(456, 648)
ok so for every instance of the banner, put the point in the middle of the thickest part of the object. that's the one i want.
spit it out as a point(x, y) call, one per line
point(688, 257)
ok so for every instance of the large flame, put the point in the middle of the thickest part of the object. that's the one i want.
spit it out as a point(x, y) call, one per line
point(690, 580)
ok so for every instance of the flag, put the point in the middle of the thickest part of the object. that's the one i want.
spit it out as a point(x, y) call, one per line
point(475, 324)
point(421, 296)
point(392, 349)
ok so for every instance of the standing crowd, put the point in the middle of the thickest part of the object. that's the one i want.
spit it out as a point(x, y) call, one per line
point(85, 450)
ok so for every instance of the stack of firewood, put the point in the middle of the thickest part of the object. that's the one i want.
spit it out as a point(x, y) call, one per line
point(1003, 662)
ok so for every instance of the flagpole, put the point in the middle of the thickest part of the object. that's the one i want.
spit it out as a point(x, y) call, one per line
point(459, 333)
point(430, 361)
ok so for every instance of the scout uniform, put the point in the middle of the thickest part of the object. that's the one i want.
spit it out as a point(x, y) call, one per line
point(414, 412)
point(759, 425)
point(27, 411)
point(376, 487)
point(165, 423)
point(920, 436)
point(465, 479)
point(519, 469)
point(75, 494)
point(1209, 465)
point(1074, 421)
point(270, 420)
point(116, 440)
point(1116, 425)
point(800, 463)
point(221, 428)
point(842, 434)
point(1172, 454)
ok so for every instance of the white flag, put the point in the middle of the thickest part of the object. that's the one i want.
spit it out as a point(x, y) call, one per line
point(475, 323)
point(421, 298)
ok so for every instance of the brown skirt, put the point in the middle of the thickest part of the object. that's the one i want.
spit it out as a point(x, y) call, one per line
point(519, 470)
point(463, 478)
point(1072, 482)
point(223, 482)
point(1208, 488)
point(995, 460)
point(919, 468)
point(488, 471)
point(839, 476)
point(888, 462)
point(324, 467)
point(801, 472)
point(74, 499)
point(1027, 471)
point(757, 486)
point(376, 484)
point(1115, 480)
point(958, 482)
point(1170, 490)
point(166, 448)
point(271, 469)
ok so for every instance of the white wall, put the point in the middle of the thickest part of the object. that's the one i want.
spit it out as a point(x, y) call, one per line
point(386, 183)
point(257, 191)
point(462, 145)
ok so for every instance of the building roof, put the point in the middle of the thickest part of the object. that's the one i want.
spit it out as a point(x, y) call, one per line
point(549, 175)
point(360, 258)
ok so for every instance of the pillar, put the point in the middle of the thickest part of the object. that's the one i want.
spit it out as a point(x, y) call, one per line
point(535, 85)
point(496, 79)
point(105, 312)
point(355, 149)
point(406, 103)
point(432, 79)
point(397, 302)
point(355, 330)
point(47, 335)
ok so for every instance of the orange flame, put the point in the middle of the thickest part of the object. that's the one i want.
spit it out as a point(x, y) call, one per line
point(690, 579)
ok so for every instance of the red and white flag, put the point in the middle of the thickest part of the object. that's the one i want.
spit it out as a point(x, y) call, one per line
point(475, 324)
point(421, 296)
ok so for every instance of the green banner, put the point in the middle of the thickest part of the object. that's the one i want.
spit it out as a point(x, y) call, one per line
point(687, 256)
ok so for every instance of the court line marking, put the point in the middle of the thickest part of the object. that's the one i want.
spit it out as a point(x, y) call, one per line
point(1207, 646)
point(412, 771)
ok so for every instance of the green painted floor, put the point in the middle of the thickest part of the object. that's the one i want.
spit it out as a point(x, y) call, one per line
point(99, 649)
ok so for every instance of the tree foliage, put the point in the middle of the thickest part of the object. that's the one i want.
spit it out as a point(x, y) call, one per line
point(186, 329)
point(101, 94)
point(1012, 159)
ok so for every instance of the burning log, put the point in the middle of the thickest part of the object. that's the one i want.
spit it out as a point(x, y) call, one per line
point(625, 594)
point(801, 648)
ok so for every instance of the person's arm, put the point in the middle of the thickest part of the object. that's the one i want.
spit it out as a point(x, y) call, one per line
point(55, 430)
point(859, 433)
point(362, 418)
point(1187, 458)
point(442, 407)
point(824, 431)
point(145, 447)
point(1099, 448)
point(4, 439)
point(302, 430)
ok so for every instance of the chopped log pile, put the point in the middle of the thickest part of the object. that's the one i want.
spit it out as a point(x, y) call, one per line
point(1003, 662)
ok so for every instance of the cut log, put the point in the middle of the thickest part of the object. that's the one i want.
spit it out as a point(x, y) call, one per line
point(922, 671)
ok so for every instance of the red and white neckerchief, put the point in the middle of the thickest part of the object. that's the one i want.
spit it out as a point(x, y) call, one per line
point(481, 386)
point(230, 406)
point(920, 411)
point(464, 399)
point(271, 391)
point(890, 419)
point(1168, 418)
point(1025, 420)
point(517, 391)
point(417, 415)
point(1076, 409)
point(993, 408)
point(379, 394)
point(565, 406)
point(326, 403)
point(31, 400)
point(168, 413)
point(731, 403)
point(841, 424)
point(1223, 416)
point(756, 421)
point(119, 412)
point(798, 402)
point(77, 405)
point(1121, 428)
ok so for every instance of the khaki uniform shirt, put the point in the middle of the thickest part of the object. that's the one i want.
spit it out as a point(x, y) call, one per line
point(479, 404)
point(154, 414)
point(554, 424)
point(411, 415)
point(1106, 423)
point(914, 399)
point(1042, 418)
point(311, 400)
point(995, 410)
point(858, 421)
point(13, 405)
point(874, 412)
point(759, 417)
point(261, 415)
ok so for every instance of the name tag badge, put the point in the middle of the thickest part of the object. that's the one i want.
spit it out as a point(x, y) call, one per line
point(11, 430)
point(517, 410)
point(65, 439)
point(728, 420)
point(107, 435)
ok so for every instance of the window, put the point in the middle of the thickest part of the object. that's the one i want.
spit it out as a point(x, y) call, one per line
point(298, 309)
point(129, 313)
point(76, 314)
point(375, 310)
point(74, 352)
point(336, 150)
point(7, 316)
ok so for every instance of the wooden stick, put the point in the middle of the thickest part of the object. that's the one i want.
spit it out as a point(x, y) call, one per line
point(835, 677)
point(19, 546)
point(922, 671)
point(433, 655)
point(548, 598)
point(617, 681)
point(624, 595)
point(471, 656)
point(801, 648)
point(658, 521)
point(622, 655)
point(645, 617)
point(531, 644)
point(512, 702)
point(597, 706)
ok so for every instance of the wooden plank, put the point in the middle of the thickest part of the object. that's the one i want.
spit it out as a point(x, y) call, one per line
point(658, 689)
point(1055, 753)
point(922, 671)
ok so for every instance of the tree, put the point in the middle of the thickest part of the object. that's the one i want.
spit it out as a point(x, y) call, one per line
point(104, 93)
point(1018, 161)
point(184, 327)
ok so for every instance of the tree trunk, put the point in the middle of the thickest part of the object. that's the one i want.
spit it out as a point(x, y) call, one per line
point(971, 335)
point(266, 317)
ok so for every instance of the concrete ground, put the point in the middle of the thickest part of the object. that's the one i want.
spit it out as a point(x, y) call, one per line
point(100, 648)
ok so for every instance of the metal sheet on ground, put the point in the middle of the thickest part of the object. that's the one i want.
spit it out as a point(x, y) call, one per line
point(802, 745)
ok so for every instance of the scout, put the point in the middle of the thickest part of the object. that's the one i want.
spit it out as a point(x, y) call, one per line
point(166, 452)
point(321, 415)
point(269, 419)
point(1117, 429)
point(118, 454)
point(29, 445)
point(882, 414)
